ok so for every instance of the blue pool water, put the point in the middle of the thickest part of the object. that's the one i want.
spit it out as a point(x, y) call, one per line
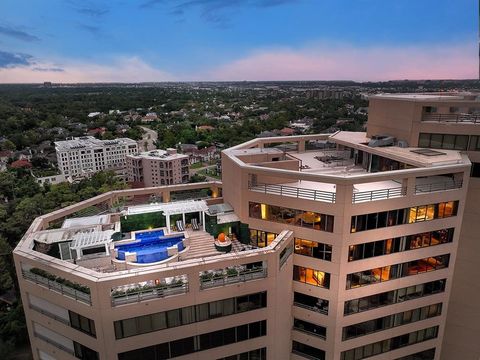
point(150, 246)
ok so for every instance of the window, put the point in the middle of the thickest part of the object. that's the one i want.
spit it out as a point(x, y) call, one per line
point(404, 243)
point(443, 141)
point(190, 314)
point(258, 354)
point(310, 328)
point(391, 272)
point(394, 343)
point(422, 355)
point(475, 170)
point(429, 109)
point(310, 302)
point(313, 249)
point(83, 352)
point(307, 219)
point(403, 216)
point(390, 321)
point(82, 323)
point(311, 276)
point(201, 342)
point(309, 351)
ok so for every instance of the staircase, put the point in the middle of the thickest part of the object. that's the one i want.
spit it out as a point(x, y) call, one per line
point(201, 245)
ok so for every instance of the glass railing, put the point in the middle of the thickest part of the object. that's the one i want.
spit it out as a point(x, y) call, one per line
point(217, 279)
point(148, 293)
point(59, 287)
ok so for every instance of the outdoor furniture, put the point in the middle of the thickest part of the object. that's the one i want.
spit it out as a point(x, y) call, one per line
point(195, 225)
point(180, 226)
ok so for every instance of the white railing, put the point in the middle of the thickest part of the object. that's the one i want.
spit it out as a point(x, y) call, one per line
point(440, 186)
point(292, 191)
point(381, 194)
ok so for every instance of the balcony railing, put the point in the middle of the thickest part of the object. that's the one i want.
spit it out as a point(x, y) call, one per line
point(54, 343)
point(454, 118)
point(291, 191)
point(309, 332)
point(50, 315)
point(285, 254)
point(148, 294)
point(58, 287)
point(439, 186)
point(380, 194)
point(306, 356)
point(242, 276)
point(311, 308)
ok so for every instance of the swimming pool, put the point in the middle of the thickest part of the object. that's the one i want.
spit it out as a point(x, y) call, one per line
point(150, 246)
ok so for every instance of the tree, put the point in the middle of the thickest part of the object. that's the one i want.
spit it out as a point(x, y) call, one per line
point(7, 145)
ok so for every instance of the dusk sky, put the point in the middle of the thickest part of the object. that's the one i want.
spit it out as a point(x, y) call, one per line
point(189, 40)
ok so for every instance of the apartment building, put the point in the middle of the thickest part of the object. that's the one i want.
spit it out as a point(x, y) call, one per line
point(445, 121)
point(335, 254)
point(158, 167)
point(86, 155)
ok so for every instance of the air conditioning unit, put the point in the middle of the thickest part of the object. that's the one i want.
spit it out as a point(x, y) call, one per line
point(402, 144)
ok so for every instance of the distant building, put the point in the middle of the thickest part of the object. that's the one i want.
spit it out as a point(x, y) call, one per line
point(205, 128)
point(287, 131)
point(150, 117)
point(199, 155)
point(158, 167)
point(53, 180)
point(94, 114)
point(84, 156)
point(97, 131)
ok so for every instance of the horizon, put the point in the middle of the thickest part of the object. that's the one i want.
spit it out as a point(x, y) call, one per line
point(75, 41)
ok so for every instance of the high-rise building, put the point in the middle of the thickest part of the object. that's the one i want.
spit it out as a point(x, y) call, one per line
point(445, 121)
point(86, 155)
point(337, 254)
point(158, 167)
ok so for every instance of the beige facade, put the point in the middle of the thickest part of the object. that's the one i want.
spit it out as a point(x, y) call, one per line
point(451, 116)
point(158, 167)
point(86, 155)
point(337, 254)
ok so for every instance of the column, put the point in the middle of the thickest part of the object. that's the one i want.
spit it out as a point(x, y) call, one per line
point(203, 220)
point(183, 217)
point(168, 223)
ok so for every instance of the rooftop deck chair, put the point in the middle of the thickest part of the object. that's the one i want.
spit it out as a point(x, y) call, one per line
point(180, 226)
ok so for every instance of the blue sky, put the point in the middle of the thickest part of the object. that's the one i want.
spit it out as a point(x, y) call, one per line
point(155, 40)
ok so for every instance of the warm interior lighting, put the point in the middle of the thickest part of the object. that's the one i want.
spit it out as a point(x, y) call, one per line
point(263, 211)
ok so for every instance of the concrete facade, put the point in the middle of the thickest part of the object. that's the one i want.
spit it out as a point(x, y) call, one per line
point(404, 117)
point(359, 247)
point(86, 155)
point(158, 167)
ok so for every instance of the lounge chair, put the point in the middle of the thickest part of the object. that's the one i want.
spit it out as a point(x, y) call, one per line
point(195, 224)
point(180, 226)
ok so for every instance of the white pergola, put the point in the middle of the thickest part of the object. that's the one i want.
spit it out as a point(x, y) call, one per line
point(91, 239)
point(172, 208)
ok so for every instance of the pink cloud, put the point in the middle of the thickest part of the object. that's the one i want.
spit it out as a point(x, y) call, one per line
point(131, 69)
point(351, 63)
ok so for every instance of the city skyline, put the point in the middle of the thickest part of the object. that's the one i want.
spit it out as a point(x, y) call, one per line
point(74, 41)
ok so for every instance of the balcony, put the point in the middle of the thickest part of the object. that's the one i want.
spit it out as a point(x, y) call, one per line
point(452, 118)
point(230, 276)
point(295, 192)
point(66, 288)
point(438, 186)
point(145, 293)
point(380, 194)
